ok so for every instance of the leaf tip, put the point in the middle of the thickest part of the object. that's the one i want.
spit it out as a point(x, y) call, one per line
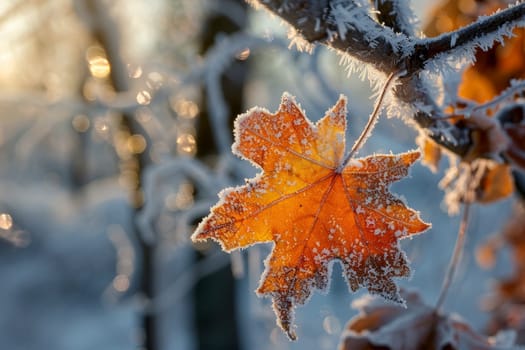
point(426, 226)
point(291, 334)
point(288, 329)
point(195, 237)
point(197, 234)
point(395, 298)
point(342, 100)
point(412, 156)
point(283, 307)
point(286, 99)
point(289, 104)
point(200, 234)
point(287, 96)
point(340, 108)
point(208, 230)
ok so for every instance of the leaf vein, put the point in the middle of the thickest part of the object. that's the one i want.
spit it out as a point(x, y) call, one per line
point(291, 151)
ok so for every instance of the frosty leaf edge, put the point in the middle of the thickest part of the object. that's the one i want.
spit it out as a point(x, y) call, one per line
point(314, 212)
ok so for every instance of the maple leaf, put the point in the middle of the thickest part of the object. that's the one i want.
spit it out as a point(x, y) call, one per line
point(315, 208)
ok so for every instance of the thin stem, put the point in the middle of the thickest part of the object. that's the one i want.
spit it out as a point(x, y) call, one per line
point(372, 119)
point(508, 94)
point(456, 256)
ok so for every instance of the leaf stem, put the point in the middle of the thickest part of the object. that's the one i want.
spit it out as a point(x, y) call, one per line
point(456, 256)
point(372, 119)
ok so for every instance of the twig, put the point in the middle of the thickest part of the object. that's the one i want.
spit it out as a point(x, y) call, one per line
point(502, 21)
point(516, 88)
point(458, 250)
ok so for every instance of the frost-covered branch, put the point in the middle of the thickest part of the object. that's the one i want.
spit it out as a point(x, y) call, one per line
point(381, 35)
point(516, 87)
point(483, 34)
point(345, 26)
point(395, 14)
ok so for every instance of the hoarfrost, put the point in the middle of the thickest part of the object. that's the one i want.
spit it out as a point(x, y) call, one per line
point(453, 39)
point(464, 52)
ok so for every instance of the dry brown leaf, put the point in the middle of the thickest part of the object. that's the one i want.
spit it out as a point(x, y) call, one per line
point(390, 327)
point(430, 151)
point(497, 183)
point(491, 73)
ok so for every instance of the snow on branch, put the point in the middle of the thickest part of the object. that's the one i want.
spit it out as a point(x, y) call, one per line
point(380, 33)
point(483, 33)
point(516, 88)
point(346, 26)
point(396, 14)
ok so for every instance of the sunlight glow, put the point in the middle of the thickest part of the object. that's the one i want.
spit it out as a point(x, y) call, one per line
point(182, 199)
point(186, 144)
point(243, 55)
point(184, 108)
point(134, 72)
point(6, 221)
point(101, 126)
point(125, 258)
point(81, 123)
point(99, 66)
point(136, 144)
point(144, 97)
point(155, 80)
point(121, 283)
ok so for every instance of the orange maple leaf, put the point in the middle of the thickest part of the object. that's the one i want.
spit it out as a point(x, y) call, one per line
point(315, 208)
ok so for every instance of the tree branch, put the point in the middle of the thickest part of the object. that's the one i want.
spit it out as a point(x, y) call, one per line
point(344, 26)
point(482, 33)
point(347, 27)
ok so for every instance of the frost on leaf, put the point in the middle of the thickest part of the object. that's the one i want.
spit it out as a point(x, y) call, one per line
point(390, 327)
point(312, 208)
